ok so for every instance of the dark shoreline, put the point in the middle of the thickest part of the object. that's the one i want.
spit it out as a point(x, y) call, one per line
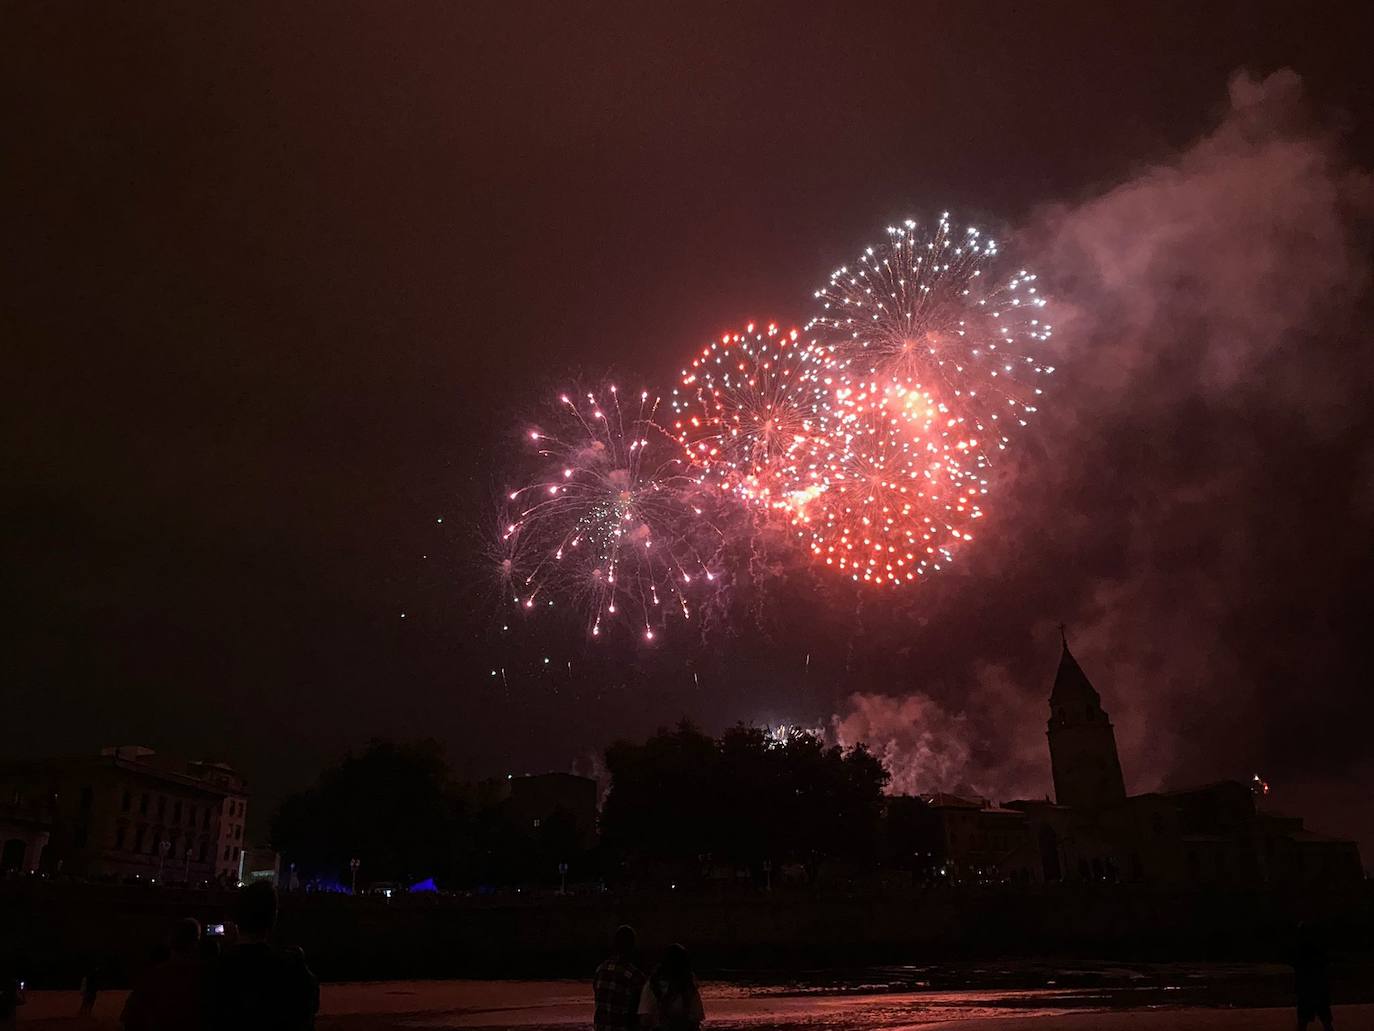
point(55, 927)
point(560, 1005)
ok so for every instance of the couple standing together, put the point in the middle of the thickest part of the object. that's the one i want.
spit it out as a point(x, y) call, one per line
point(626, 999)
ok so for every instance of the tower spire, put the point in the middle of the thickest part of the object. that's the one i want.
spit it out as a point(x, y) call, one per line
point(1083, 755)
point(1071, 684)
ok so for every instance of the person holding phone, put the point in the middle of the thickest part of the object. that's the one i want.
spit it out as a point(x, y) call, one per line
point(171, 994)
point(11, 996)
point(258, 984)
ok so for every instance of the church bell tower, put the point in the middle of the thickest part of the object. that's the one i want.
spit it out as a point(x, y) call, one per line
point(1083, 757)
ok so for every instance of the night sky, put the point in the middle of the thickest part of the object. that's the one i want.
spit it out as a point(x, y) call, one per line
point(286, 285)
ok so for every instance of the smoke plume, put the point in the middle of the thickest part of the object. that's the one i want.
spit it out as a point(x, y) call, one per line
point(1202, 475)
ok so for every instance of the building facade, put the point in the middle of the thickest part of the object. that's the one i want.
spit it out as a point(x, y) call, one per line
point(958, 840)
point(230, 845)
point(25, 827)
point(125, 814)
point(1214, 835)
point(261, 864)
point(1210, 835)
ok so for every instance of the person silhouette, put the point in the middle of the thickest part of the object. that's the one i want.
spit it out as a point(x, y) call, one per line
point(617, 985)
point(170, 994)
point(671, 1000)
point(91, 984)
point(11, 992)
point(257, 984)
point(1311, 980)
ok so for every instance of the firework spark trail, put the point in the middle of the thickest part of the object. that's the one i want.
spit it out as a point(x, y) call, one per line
point(747, 409)
point(744, 412)
point(935, 308)
point(504, 556)
point(866, 439)
point(916, 354)
point(888, 486)
point(610, 522)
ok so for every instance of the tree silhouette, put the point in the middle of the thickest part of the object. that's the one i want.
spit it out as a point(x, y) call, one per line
point(394, 807)
point(743, 799)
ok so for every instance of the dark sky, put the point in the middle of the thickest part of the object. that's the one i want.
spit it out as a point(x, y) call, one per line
point(286, 283)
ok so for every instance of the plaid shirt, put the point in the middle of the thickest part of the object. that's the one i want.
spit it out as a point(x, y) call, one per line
point(616, 988)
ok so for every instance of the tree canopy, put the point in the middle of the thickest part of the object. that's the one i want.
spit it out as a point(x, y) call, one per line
point(744, 797)
point(394, 807)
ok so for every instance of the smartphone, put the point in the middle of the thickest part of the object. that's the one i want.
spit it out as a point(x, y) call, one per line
point(214, 930)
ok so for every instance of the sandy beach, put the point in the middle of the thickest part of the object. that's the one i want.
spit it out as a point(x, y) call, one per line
point(415, 1005)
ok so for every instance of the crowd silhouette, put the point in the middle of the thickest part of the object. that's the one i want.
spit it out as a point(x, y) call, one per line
point(232, 976)
point(626, 998)
point(232, 980)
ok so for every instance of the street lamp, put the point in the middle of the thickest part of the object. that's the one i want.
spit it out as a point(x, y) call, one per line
point(353, 865)
point(163, 847)
point(563, 878)
point(186, 876)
